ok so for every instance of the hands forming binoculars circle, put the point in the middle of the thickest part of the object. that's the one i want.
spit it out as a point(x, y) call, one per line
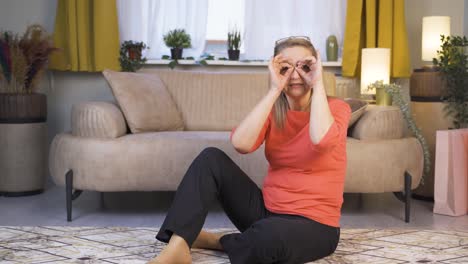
point(286, 72)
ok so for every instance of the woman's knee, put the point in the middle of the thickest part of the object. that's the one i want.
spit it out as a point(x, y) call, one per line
point(212, 154)
point(211, 151)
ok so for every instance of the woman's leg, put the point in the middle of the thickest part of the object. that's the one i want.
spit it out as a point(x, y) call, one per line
point(212, 175)
point(208, 240)
point(176, 252)
point(281, 239)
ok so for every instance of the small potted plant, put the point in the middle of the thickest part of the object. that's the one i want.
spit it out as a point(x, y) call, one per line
point(130, 55)
point(177, 40)
point(234, 41)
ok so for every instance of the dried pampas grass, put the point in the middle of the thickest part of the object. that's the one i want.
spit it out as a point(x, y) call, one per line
point(23, 60)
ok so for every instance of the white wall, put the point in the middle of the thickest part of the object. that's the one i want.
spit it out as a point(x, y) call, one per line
point(465, 19)
point(16, 15)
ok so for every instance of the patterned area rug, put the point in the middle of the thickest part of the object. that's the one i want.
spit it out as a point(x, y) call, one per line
point(138, 245)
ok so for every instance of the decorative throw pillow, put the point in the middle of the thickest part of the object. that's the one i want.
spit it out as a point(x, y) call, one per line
point(145, 101)
point(357, 109)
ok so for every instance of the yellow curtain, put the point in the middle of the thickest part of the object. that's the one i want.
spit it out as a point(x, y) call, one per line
point(376, 24)
point(87, 33)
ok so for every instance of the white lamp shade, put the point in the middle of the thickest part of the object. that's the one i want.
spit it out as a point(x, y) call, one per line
point(375, 66)
point(432, 28)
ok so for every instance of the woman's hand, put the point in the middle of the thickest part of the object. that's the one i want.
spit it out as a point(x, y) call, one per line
point(280, 73)
point(310, 70)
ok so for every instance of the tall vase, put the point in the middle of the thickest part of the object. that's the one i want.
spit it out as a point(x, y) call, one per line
point(332, 48)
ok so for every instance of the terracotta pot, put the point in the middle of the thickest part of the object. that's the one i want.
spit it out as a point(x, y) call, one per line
point(134, 53)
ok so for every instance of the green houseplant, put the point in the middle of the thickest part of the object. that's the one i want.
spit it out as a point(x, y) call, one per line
point(233, 42)
point(453, 63)
point(130, 55)
point(177, 40)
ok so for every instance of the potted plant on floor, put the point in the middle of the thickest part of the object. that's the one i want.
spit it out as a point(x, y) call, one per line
point(234, 41)
point(131, 55)
point(177, 40)
point(23, 111)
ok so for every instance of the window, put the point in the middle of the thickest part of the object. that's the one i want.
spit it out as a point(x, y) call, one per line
point(223, 15)
point(208, 22)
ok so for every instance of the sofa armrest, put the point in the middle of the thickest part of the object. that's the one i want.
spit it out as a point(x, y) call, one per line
point(379, 122)
point(97, 119)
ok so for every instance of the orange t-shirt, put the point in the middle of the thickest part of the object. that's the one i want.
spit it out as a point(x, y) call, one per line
point(305, 178)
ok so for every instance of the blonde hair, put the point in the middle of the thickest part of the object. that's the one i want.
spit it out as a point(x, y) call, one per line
point(281, 105)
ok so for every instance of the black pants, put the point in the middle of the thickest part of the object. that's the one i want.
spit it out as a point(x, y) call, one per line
point(265, 237)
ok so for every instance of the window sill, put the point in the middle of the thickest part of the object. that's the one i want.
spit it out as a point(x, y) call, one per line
point(232, 63)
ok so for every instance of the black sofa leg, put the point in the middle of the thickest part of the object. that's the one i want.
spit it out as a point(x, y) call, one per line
point(70, 195)
point(406, 196)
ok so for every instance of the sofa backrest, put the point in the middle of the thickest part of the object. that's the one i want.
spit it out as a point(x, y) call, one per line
point(218, 101)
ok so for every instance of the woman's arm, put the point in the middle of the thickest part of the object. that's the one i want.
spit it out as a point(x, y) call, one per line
point(246, 134)
point(321, 117)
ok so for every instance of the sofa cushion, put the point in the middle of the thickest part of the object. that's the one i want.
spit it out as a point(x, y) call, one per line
point(97, 119)
point(232, 94)
point(357, 109)
point(145, 101)
point(379, 122)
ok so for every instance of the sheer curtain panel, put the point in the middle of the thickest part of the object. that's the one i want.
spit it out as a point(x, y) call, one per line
point(269, 20)
point(149, 20)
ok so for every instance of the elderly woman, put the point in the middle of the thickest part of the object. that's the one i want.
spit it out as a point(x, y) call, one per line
point(295, 217)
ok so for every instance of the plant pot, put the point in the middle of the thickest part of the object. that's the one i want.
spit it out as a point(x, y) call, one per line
point(134, 53)
point(176, 53)
point(382, 97)
point(23, 108)
point(427, 86)
point(23, 137)
point(233, 54)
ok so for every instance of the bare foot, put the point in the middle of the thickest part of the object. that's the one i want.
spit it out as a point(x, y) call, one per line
point(176, 252)
point(207, 240)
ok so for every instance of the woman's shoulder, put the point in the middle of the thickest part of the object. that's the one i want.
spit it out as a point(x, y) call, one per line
point(337, 102)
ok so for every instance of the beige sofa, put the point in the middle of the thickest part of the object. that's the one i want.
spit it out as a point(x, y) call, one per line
point(101, 155)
